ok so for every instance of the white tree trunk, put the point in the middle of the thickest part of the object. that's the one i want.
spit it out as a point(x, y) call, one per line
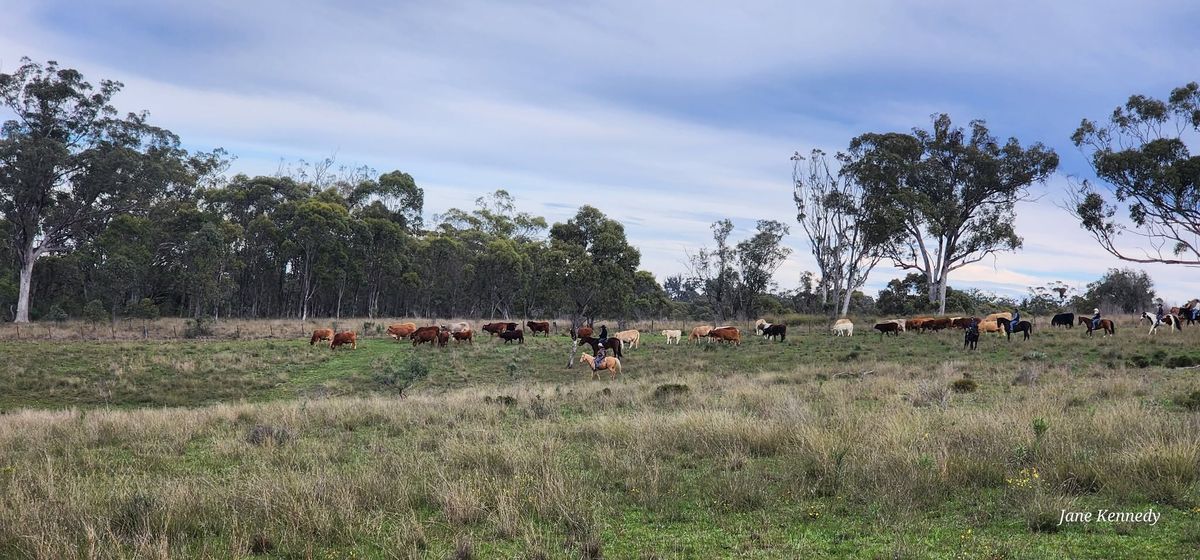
point(26, 284)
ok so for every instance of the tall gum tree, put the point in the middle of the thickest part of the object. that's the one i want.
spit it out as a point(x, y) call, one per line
point(940, 199)
point(69, 163)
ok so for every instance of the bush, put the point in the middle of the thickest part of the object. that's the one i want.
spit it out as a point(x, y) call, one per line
point(198, 327)
point(1190, 401)
point(400, 373)
point(964, 386)
point(143, 309)
point(94, 311)
point(929, 393)
point(1182, 361)
point(56, 314)
point(263, 434)
point(668, 390)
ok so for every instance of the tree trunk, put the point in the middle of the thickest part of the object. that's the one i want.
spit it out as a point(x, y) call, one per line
point(26, 282)
point(846, 302)
point(942, 295)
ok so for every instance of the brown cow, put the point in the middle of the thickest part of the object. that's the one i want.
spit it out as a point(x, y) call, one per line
point(963, 322)
point(494, 329)
point(401, 330)
point(726, 334)
point(425, 334)
point(443, 337)
point(343, 338)
point(538, 327)
point(322, 335)
point(582, 332)
point(935, 324)
point(915, 323)
point(517, 335)
point(466, 335)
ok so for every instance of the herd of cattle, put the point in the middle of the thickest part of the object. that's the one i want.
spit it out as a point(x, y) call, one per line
point(508, 331)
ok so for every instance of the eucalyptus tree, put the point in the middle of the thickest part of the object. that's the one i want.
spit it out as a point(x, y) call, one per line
point(1144, 156)
point(940, 199)
point(830, 209)
point(69, 163)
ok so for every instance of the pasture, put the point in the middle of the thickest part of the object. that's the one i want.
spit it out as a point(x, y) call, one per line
point(821, 446)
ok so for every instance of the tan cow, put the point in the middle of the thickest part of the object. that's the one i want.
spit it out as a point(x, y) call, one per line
point(401, 330)
point(632, 337)
point(700, 332)
point(988, 324)
point(843, 327)
point(672, 334)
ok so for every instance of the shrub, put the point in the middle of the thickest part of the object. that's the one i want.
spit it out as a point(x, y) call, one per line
point(56, 314)
point(669, 390)
point(198, 327)
point(964, 386)
point(1190, 401)
point(929, 393)
point(1181, 361)
point(94, 311)
point(400, 373)
point(143, 309)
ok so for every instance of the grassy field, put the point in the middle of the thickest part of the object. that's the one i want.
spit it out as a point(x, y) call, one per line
point(867, 447)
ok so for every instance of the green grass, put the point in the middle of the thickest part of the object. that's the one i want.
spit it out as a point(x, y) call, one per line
point(810, 448)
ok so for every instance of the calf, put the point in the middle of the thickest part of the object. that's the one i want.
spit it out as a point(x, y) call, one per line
point(517, 335)
point(425, 334)
point(494, 329)
point(672, 335)
point(843, 327)
point(443, 337)
point(344, 338)
point(935, 324)
point(466, 335)
point(700, 332)
point(632, 337)
point(321, 335)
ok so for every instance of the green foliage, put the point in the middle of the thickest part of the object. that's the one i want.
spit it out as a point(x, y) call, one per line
point(400, 373)
point(964, 386)
point(198, 327)
point(145, 308)
point(56, 314)
point(1125, 290)
point(1143, 156)
point(94, 311)
point(943, 188)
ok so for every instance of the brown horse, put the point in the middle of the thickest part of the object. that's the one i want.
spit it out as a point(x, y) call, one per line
point(609, 363)
point(1105, 325)
point(611, 343)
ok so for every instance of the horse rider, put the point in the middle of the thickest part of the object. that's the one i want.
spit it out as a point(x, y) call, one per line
point(1096, 318)
point(1012, 325)
point(600, 348)
point(1158, 316)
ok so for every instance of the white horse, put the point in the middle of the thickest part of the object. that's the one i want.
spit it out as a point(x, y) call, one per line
point(1171, 321)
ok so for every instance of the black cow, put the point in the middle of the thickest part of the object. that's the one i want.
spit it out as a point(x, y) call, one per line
point(1063, 320)
point(511, 335)
point(775, 330)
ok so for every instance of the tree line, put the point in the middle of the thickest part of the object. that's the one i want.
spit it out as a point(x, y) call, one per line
point(106, 214)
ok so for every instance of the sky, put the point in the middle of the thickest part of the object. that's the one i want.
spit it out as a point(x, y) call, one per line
point(666, 115)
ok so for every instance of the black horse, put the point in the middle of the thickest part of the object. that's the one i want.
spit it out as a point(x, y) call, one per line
point(1023, 326)
point(611, 343)
point(971, 338)
point(1063, 320)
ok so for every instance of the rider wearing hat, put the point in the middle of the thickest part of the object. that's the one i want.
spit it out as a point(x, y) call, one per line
point(1096, 319)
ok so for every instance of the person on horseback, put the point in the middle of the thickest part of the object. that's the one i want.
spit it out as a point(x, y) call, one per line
point(603, 334)
point(1096, 319)
point(1158, 315)
point(599, 359)
point(1016, 318)
point(600, 348)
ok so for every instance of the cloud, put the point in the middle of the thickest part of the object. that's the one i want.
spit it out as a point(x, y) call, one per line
point(663, 115)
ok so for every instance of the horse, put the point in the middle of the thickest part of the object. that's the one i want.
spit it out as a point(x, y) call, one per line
point(1190, 312)
point(609, 363)
point(1105, 325)
point(1171, 321)
point(1023, 326)
point(971, 337)
point(611, 343)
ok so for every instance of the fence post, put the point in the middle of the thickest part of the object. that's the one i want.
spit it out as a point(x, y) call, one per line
point(18, 332)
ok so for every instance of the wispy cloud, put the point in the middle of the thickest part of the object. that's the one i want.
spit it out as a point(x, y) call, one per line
point(665, 115)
